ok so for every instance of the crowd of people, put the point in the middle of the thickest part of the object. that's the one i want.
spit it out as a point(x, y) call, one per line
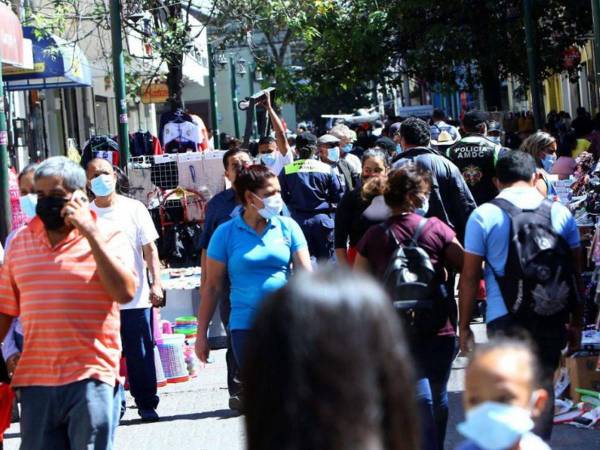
point(334, 262)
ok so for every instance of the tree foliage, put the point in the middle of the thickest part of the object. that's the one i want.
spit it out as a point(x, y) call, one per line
point(465, 43)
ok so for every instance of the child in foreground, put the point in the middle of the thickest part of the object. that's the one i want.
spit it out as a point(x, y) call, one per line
point(502, 398)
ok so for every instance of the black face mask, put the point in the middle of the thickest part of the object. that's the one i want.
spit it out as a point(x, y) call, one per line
point(48, 209)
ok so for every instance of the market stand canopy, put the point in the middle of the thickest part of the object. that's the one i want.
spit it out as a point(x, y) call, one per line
point(56, 64)
point(12, 48)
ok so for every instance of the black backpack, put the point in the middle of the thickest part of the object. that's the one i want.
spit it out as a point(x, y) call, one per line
point(538, 286)
point(414, 286)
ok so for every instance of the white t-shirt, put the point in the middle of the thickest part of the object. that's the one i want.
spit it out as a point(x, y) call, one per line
point(281, 161)
point(134, 220)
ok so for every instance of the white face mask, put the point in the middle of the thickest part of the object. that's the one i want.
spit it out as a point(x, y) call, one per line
point(496, 426)
point(273, 205)
point(377, 210)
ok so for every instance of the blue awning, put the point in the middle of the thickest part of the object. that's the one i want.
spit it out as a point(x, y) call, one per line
point(56, 64)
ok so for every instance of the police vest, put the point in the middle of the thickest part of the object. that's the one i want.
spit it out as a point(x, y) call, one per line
point(476, 158)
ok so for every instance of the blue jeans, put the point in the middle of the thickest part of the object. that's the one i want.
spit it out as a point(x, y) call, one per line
point(434, 360)
point(77, 416)
point(138, 349)
point(239, 340)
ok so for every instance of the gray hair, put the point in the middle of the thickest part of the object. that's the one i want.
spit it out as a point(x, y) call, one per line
point(72, 174)
point(342, 131)
point(536, 143)
point(375, 153)
point(31, 167)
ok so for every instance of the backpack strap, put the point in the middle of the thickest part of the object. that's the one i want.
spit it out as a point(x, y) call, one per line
point(545, 209)
point(419, 230)
point(506, 206)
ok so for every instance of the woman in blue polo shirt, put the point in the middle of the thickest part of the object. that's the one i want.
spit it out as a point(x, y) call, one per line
point(254, 251)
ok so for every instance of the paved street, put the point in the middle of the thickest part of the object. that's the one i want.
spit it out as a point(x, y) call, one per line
point(195, 417)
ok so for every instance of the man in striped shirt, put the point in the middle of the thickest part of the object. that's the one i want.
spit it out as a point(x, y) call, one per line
point(64, 277)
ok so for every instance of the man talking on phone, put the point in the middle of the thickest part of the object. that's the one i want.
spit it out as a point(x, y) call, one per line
point(65, 276)
point(132, 217)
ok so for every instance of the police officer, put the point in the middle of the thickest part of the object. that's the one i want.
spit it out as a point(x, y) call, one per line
point(476, 156)
point(330, 153)
point(311, 190)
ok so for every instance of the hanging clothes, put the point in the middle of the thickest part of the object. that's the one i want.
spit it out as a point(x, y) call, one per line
point(100, 147)
point(181, 137)
point(144, 144)
point(169, 117)
point(203, 143)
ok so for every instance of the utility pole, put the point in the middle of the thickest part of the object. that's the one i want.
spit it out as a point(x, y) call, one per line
point(234, 100)
point(596, 16)
point(5, 216)
point(214, 107)
point(251, 79)
point(119, 74)
point(534, 85)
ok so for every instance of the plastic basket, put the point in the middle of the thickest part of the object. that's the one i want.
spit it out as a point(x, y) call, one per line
point(161, 380)
point(172, 358)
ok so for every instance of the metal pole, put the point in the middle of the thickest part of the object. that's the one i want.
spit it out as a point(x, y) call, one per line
point(119, 74)
point(234, 100)
point(213, 98)
point(596, 16)
point(251, 68)
point(5, 215)
point(536, 93)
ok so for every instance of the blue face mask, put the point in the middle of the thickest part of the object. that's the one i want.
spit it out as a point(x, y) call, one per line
point(424, 208)
point(103, 185)
point(333, 154)
point(28, 203)
point(347, 148)
point(495, 139)
point(496, 426)
point(548, 162)
point(398, 148)
point(268, 159)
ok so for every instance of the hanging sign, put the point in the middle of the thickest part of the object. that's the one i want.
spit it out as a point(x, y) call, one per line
point(155, 93)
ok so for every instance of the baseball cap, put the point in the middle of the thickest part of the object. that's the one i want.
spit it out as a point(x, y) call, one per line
point(386, 144)
point(474, 118)
point(305, 139)
point(327, 139)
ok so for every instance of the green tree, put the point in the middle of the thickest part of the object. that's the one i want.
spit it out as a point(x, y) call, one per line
point(162, 25)
point(466, 43)
point(338, 47)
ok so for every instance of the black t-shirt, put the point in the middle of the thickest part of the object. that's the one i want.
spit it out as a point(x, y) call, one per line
point(350, 223)
point(476, 157)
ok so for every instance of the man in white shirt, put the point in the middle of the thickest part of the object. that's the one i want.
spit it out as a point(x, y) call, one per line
point(133, 219)
point(274, 153)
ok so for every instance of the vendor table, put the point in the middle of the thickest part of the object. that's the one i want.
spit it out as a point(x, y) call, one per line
point(182, 288)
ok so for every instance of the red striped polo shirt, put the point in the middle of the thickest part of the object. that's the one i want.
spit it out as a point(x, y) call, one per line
point(71, 326)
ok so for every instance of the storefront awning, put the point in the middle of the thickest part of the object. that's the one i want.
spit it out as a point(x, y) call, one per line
point(56, 64)
point(11, 38)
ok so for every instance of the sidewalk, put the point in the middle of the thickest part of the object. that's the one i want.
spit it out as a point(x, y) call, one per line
point(195, 416)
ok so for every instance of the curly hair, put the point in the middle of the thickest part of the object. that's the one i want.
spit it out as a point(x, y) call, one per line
point(415, 132)
point(408, 179)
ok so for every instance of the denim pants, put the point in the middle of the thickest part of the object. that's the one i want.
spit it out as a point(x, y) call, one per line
point(239, 340)
point(138, 349)
point(77, 416)
point(434, 360)
point(549, 343)
point(233, 384)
